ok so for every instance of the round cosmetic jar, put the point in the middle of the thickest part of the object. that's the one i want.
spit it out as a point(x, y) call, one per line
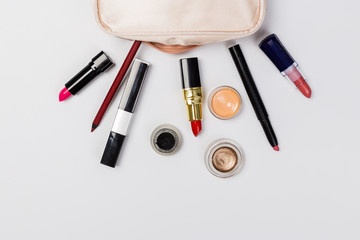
point(224, 158)
point(224, 102)
point(165, 139)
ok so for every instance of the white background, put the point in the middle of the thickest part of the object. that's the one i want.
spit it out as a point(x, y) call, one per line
point(53, 187)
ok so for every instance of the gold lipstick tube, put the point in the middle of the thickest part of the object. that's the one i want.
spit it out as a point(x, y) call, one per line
point(193, 100)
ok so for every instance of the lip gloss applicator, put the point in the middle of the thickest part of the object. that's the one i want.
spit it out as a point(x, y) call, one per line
point(282, 59)
point(125, 112)
point(98, 64)
point(192, 92)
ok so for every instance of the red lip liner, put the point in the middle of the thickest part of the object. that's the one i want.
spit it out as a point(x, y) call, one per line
point(115, 85)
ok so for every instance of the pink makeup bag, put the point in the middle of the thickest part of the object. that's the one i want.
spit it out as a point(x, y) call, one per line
point(181, 25)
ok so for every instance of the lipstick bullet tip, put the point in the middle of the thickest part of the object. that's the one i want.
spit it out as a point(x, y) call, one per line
point(276, 148)
point(64, 94)
point(196, 127)
point(305, 89)
point(61, 97)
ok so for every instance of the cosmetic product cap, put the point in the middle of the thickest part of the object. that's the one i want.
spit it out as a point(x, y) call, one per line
point(276, 52)
point(134, 85)
point(102, 62)
point(166, 139)
point(190, 73)
point(112, 149)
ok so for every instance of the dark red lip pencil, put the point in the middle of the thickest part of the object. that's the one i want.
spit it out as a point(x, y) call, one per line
point(115, 85)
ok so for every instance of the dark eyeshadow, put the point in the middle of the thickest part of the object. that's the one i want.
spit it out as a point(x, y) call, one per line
point(165, 141)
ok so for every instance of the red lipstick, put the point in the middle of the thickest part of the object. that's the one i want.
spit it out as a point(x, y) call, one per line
point(196, 127)
point(277, 53)
point(192, 92)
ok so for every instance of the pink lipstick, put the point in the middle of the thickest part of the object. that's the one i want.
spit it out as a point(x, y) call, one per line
point(277, 53)
point(64, 94)
point(98, 64)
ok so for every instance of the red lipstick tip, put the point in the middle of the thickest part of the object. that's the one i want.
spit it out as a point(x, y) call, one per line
point(64, 94)
point(276, 148)
point(196, 127)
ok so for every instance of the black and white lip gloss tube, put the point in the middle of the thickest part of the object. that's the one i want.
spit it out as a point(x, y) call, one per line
point(125, 112)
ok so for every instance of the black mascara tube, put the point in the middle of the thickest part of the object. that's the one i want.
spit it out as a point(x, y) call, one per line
point(125, 112)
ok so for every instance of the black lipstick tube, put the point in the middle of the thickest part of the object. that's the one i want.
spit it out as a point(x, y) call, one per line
point(97, 65)
point(125, 112)
point(253, 93)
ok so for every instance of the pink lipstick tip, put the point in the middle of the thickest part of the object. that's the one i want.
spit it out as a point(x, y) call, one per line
point(276, 148)
point(303, 87)
point(305, 90)
point(64, 94)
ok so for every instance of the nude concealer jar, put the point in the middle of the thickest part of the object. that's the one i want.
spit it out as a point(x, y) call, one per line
point(224, 102)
